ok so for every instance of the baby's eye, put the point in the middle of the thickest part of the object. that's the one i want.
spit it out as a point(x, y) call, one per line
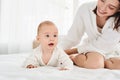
point(55, 35)
point(47, 36)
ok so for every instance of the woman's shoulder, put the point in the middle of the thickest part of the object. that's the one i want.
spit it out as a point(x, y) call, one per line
point(89, 4)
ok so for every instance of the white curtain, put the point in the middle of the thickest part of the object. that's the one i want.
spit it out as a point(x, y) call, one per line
point(19, 20)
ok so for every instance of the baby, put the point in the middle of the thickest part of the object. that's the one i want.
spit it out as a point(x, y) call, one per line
point(47, 53)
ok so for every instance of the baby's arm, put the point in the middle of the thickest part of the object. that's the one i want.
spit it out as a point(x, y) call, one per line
point(65, 63)
point(31, 61)
point(62, 67)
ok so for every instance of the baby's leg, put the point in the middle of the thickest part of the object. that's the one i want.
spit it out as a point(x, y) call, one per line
point(91, 60)
point(112, 63)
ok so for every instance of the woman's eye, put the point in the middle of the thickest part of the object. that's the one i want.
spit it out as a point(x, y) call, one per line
point(102, 0)
point(55, 35)
point(47, 36)
point(111, 8)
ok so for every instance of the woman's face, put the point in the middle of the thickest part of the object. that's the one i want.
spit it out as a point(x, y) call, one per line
point(106, 8)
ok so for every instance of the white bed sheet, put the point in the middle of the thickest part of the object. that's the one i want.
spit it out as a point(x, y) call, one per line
point(10, 69)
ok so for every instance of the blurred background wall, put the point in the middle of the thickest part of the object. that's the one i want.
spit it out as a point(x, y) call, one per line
point(19, 20)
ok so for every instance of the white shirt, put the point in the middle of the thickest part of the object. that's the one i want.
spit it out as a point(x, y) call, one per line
point(108, 41)
point(58, 59)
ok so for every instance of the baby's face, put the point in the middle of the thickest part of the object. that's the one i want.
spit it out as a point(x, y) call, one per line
point(48, 36)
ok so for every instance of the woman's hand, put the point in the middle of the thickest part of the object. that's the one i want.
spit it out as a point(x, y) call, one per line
point(71, 51)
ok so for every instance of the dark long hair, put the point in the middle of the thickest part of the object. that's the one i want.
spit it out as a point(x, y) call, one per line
point(116, 15)
point(117, 18)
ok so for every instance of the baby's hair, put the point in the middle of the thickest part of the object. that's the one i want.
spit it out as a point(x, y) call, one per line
point(44, 23)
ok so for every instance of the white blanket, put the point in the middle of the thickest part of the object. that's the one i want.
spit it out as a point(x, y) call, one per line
point(11, 69)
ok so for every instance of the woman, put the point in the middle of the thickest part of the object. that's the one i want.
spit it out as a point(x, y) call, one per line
point(100, 20)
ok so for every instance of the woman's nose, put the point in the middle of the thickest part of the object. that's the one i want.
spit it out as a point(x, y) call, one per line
point(103, 8)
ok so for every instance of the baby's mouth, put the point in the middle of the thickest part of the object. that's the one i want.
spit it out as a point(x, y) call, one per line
point(51, 44)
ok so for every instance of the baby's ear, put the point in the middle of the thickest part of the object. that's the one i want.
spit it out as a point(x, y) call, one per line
point(36, 42)
point(37, 38)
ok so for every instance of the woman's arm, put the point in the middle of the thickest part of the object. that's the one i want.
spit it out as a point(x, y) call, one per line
point(75, 33)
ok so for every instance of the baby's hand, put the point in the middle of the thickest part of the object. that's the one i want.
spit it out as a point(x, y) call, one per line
point(62, 68)
point(31, 66)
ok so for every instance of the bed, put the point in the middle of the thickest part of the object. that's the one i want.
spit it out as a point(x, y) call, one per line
point(11, 69)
